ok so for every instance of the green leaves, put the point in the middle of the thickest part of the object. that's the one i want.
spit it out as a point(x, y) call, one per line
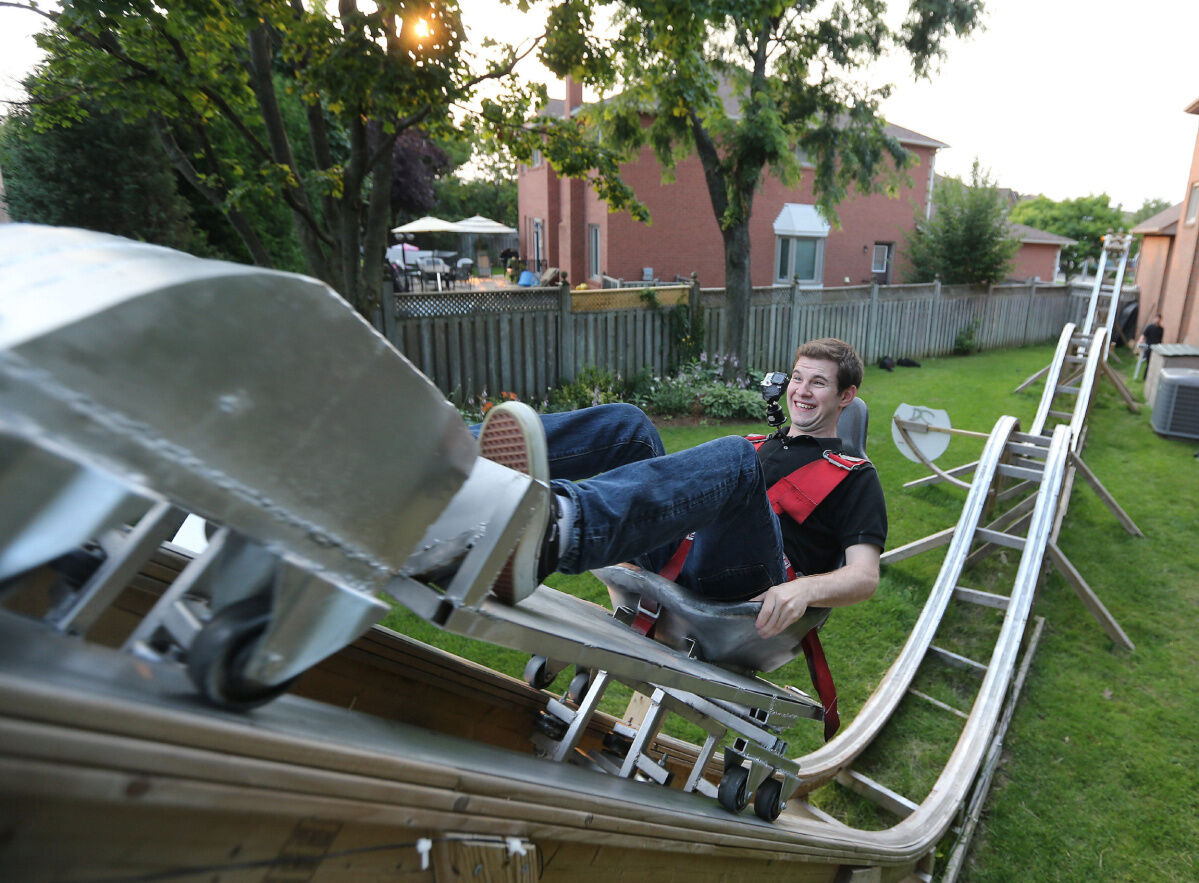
point(967, 239)
point(1085, 219)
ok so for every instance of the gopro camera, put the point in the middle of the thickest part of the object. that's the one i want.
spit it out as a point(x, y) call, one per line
point(772, 387)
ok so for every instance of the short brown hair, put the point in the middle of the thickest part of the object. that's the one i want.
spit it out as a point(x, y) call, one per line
point(841, 354)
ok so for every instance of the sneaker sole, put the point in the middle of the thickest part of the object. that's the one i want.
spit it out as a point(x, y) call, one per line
point(512, 436)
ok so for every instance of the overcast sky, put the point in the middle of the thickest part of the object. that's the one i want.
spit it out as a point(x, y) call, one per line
point(1061, 97)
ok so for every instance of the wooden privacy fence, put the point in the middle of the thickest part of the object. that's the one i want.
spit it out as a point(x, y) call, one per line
point(528, 340)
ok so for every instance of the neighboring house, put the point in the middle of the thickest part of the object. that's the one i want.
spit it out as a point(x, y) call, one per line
point(1168, 271)
point(1040, 253)
point(1039, 257)
point(1153, 265)
point(564, 224)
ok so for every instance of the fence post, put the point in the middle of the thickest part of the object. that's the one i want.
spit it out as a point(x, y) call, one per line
point(934, 310)
point(872, 325)
point(387, 303)
point(694, 307)
point(793, 321)
point(1032, 299)
point(566, 336)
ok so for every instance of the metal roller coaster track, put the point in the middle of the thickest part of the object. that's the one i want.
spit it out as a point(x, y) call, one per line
point(170, 385)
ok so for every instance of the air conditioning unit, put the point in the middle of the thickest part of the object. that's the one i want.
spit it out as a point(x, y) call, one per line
point(1176, 407)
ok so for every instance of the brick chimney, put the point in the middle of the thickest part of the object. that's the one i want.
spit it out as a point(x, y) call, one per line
point(574, 95)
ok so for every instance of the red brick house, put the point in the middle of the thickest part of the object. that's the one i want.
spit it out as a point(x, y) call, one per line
point(1040, 253)
point(1168, 268)
point(564, 224)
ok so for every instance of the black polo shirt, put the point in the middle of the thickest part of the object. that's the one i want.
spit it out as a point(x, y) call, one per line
point(855, 512)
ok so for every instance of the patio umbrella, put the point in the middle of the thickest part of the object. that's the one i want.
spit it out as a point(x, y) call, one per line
point(429, 224)
point(480, 224)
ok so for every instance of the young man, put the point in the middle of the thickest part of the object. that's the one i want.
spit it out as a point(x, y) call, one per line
point(1152, 335)
point(637, 504)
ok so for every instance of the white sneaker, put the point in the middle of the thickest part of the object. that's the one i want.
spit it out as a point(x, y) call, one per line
point(512, 435)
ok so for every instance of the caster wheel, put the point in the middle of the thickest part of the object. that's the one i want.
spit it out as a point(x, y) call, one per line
point(618, 744)
point(551, 726)
point(768, 800)
point(537, 673)
point(579, 685)
point(220, 651)
point(732, 790)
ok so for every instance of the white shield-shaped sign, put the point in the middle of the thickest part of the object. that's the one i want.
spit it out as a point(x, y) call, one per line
point(921, 425)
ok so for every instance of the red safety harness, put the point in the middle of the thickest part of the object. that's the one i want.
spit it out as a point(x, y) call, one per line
point(797, 495)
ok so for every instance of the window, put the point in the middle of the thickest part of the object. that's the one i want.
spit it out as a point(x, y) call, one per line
point(800, 257)
point(881, 258)
point(536, 159)
point(538, 245)
point(1193, 205)
point(799, 234)
point(593, 249)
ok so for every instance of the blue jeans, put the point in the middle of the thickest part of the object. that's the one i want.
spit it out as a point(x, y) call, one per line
point(633, 502)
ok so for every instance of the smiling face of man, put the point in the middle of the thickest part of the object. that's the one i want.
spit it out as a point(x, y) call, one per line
point(813, 401)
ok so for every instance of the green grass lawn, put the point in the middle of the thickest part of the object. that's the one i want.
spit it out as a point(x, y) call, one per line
point(1098, 780)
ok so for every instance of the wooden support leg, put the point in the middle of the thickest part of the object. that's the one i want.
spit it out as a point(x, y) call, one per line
point(1088, 597)
point(1118, 382)
point(1031, 380)
point(1107, 498)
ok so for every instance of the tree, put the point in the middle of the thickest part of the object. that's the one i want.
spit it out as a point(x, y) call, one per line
point(210, 74)
point(747, 85)
point(416, 165)
point(1086, 220)
point(967, 239)
point(100, 174)
point(1148, 209)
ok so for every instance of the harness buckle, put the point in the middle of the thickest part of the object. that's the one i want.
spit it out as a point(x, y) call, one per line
point(843, 461)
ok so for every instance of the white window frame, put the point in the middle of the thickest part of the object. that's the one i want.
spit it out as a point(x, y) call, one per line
point(538, 244)
point(886, 250)
point(1192, 205)
point(593, 247)
point(785, 272)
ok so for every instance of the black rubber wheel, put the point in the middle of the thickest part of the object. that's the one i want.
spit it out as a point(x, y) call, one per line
point(578, 685)
point(551, 726)
point(220, 651)
point(732, 793)
point(537, 673)
point(768, 800)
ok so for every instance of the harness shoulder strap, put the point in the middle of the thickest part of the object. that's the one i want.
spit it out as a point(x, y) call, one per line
point(799, 493)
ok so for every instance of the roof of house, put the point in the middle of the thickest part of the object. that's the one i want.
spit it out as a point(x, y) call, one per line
point(1164, 223)
point(1032, 236)
point(556, 107)
point(907, 136)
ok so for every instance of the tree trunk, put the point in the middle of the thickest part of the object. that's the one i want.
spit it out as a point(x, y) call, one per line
point(378, 217)
point(737, 292)
point(262, 81)
point(249, 238)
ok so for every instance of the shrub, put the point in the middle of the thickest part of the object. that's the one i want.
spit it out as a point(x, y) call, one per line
point(475, 408)
point(593, 386)
point(672, 396)
point(966, 341)
point(730, 403)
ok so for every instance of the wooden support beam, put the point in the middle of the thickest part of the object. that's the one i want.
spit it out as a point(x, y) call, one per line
point(1108, 500)
point(939, 704)
point(1087, 595)
point(877, 793)
point(932, 541)
point(982, 599)
point(1121, 388)
point(957, 660)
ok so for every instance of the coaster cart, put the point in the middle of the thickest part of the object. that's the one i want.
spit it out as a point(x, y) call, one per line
point(330, 474)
